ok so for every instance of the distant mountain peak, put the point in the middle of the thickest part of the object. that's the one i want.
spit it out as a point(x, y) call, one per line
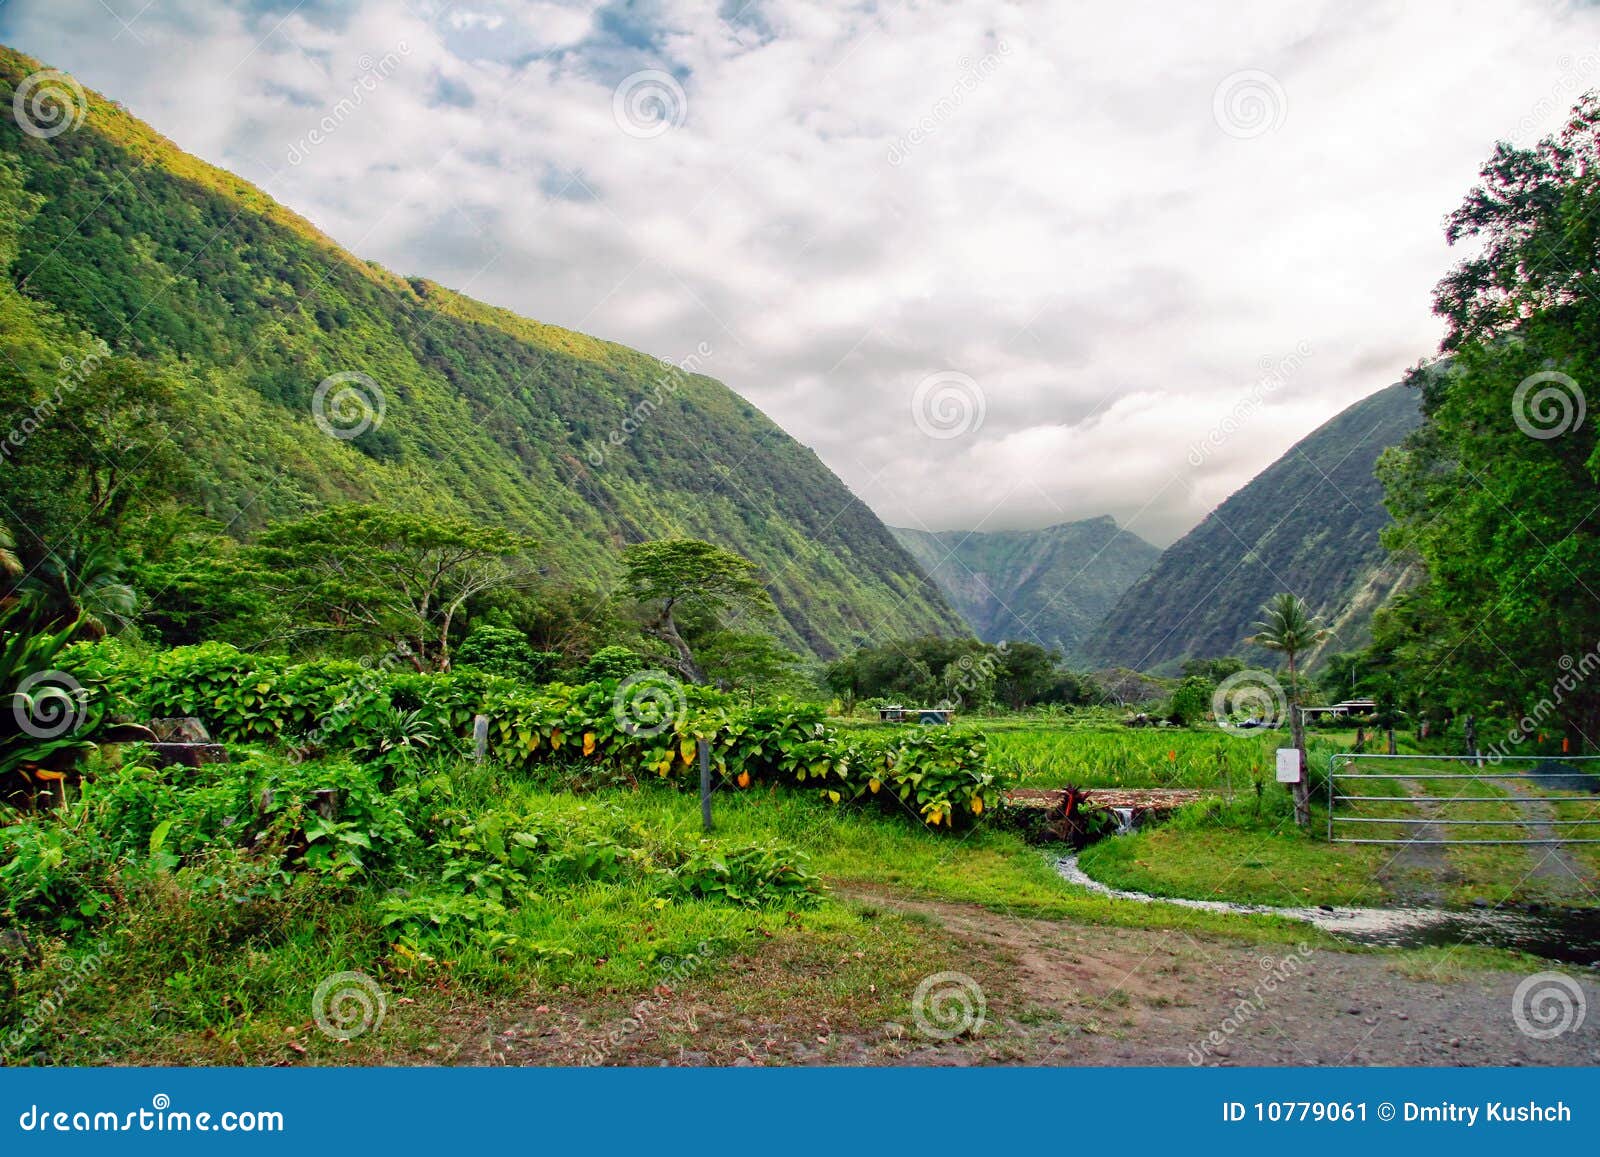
point(1308, 523)
point(1049, 586)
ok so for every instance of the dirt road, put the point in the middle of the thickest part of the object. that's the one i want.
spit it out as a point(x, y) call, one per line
point(1050, 993)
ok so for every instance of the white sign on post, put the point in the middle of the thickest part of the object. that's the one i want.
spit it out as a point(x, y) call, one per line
point(1288, 765)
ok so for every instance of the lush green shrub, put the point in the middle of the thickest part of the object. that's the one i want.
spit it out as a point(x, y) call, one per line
point(939, 776)
point(611, 663)
point(753, 875)
point(647, 724)
point(505, 651)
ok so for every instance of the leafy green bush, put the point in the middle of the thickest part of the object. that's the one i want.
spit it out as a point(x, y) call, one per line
point(648, 724)
point(754, 876)
point(611, 663)
point(938, 775)
point(505, 651)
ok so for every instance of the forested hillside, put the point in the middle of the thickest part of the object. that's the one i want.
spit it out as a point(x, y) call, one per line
point(222, 315)
point(1050, 586)
point(1309, 524)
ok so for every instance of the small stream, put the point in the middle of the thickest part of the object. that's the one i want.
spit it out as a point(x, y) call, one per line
point(1571, 935)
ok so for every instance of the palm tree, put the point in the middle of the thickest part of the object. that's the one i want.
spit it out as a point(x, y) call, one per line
point(1288, 625)
point(80, 584)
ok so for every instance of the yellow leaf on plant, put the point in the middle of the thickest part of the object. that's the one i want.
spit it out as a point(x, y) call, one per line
point(874, 784)
point(686, 750)
point(588, 743)
point(556, 739)
point(744, 779)
point(977, 805)
point(834, 796)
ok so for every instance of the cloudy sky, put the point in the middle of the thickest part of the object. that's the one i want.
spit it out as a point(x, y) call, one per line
point(1000, 264)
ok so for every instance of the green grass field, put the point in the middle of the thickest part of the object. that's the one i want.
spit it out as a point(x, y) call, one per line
point(186, 969)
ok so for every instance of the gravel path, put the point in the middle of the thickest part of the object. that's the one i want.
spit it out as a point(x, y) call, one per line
point(1062, 993)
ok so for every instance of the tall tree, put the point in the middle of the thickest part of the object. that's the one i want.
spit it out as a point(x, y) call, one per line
point(1289, 627)
point(1497, 492)
point(683, 578)
point(382, 575)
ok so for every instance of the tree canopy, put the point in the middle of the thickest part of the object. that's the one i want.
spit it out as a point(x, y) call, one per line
point(1496, 494)
point(684, 580)
point(395, 577)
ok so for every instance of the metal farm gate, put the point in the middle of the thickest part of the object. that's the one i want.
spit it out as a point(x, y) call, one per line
point(1463, 799)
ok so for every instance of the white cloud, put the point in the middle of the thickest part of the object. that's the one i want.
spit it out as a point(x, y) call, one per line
point(1063, 219)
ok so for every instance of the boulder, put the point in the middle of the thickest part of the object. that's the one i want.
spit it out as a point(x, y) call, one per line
point(183, 729)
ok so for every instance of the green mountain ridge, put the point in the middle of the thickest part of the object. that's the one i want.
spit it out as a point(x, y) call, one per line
point(1309, 523)
point(1051, 586)
point(110, 232)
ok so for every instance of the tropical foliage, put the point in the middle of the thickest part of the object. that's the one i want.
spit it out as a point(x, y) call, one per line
point(1496, 494)
point(644, 726)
